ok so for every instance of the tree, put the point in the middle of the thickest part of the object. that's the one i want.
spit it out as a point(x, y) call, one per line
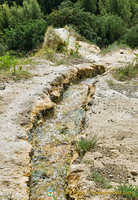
point(110, 29)
point(131, 37)
point(10, 2)
point(21, 27)
point(126, 9)
point(89, 5)
point(48, 5)
point(72, 14)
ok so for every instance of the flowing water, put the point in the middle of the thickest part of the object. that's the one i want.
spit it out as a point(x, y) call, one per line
point(51, 144)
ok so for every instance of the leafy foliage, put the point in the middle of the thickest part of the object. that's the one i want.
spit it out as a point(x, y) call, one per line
point(6, 62)
point(100, 21)
point(89, 5)
point(25, 37)
point(84, 22)
point(22, 28)
point(131, 37)
point(110, 29)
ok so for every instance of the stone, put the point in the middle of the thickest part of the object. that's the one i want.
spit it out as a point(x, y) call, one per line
point(121, 51)
point(134, 173)
point(77, 168)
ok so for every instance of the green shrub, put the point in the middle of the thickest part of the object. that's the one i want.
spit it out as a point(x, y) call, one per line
point(11, 16)
point(21, 28)
point(128, 191)
point(85, 145)
point(25, 37)
point(131, 37)
point(110, 29)
point(7, 62)
point(83, 22)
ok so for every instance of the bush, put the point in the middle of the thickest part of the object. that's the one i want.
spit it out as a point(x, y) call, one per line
point(85, 145)
point(6, 62)
point(102, 30)
point(72, 14)
point(131, 37)
point(21, 28)
point(25, 37)
point(110, 29)
point(11, 16)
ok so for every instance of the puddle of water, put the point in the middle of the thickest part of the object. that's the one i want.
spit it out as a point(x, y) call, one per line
point(51, 156)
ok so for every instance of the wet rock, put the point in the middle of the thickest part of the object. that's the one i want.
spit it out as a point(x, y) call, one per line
point(2, 86)
point(55, 95)
point(90, 103)
point(22, 137)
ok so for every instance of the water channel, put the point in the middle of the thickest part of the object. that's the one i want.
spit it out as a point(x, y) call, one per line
point(51, 144)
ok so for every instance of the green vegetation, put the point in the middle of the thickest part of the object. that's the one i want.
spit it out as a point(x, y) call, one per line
point(100, 180)
point(86, 145)
point(21, 28)
point(126, 73)
point(7, 62)
point(110, 83)
point(128, 191)
point(9, 65)
point(22, 74)
point(23, 22)
point(114, 47)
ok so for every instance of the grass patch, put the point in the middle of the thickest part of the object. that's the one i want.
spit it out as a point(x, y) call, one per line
point(101, 180)
point(21, 74)
point(113, 47)
point(47, 53)
point(61, 62)
point(74, 55)
point(126, 73)
point(86, 145)
point(25, 61)
point(128, 191)
point(110, 83)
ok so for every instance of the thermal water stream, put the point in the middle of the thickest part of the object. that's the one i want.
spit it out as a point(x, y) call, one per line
point(51, 144)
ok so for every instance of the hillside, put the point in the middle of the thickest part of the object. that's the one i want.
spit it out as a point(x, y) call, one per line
point(71, 126)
